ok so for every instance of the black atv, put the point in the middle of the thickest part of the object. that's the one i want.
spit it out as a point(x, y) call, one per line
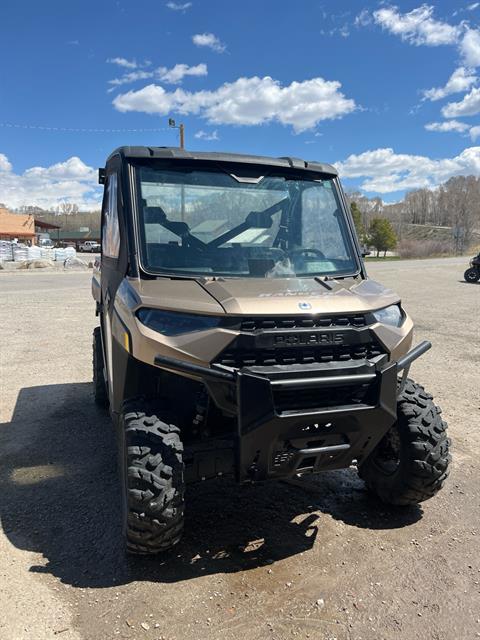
point(472, 274)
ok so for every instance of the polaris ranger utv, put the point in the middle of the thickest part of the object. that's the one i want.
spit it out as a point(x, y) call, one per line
point(240, 336)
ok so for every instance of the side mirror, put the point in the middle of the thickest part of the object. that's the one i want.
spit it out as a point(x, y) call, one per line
point(366, 253)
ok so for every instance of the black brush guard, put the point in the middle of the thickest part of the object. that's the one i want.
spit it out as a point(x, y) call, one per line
point(273, 442)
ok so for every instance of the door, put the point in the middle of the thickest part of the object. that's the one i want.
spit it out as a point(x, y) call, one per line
point(110, 267)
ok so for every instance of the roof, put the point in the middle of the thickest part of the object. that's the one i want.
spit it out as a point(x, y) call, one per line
point(77, 235)
point(16, 225)
point(175, 153)
point(46, 225)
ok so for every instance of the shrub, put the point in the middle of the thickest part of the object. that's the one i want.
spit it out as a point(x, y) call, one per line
point(423, 248)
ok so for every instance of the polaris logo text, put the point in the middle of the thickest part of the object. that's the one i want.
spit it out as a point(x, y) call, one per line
point(299, 339)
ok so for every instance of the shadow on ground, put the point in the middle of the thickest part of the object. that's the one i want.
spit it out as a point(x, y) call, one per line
point(60, 499)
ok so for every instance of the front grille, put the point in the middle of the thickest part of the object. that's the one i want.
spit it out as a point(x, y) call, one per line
point(298, 355)
point(320, 398)
point(301, 322)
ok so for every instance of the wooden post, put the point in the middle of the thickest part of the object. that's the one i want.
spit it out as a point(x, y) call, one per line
point(182, 136)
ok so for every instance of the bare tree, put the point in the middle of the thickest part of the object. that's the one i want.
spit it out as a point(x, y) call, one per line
point(454, 205)
point(67, 208)
point(464, 200)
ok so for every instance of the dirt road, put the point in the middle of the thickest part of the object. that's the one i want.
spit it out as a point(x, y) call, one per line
point(317, 558)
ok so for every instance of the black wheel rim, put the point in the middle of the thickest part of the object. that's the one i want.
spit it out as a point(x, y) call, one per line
point(471, 275)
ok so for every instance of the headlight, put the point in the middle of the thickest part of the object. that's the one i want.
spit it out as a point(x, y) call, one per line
point(390, 315)
point(170, 323)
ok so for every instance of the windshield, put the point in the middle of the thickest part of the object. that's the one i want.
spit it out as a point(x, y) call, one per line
point(215, 223)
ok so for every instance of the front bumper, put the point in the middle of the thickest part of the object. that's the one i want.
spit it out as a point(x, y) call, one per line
point(351, 405)
point(280, 443)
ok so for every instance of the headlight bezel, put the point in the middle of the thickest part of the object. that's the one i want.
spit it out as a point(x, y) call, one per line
point(391, 316)
point(172, 324)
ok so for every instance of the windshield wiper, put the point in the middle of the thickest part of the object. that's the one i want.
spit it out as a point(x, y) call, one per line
point(343, 276)
point(324, 283)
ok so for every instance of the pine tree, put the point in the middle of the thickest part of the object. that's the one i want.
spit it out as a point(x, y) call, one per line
point(357, 220)
point(382, 235)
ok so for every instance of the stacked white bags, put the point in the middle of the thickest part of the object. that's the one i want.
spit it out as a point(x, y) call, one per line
point(34, 253)
point(20, 253)
point(60, 255)
point(6, 253)
point(12, 251)
point(70, 252)
point(47, 254)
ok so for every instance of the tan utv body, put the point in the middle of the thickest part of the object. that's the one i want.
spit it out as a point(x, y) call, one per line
point(240, 336)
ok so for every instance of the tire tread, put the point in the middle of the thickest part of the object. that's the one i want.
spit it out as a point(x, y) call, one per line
point(425, 452)
point(155, 483)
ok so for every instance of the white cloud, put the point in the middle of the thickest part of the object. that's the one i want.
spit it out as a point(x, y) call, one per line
point(247, 101)
point(176, 74)
point(387, 172)
point(417, 27)
point(123, 62)
point(474, 133)
point(470, 47)
point(460, 80)
point(69, 181)
point(127, 78)
point(448, 125)
point(178, 6)
point(205, 135)
point(468, 106)
point(363, 18)
point(343, 31)
point(208, 40)
point(5, 164)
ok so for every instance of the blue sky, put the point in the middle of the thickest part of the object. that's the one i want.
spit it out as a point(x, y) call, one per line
point(346, 82)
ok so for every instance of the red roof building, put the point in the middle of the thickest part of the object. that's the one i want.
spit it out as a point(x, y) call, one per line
point(18, 226)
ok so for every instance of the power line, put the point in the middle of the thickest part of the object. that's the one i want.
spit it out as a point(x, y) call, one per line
point(12, 125)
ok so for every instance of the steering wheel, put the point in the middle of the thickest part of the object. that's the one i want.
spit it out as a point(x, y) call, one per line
point(306, 252)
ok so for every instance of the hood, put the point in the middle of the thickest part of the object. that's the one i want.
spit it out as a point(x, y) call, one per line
point(259, 296)
point(299, 295)
point(175, 295)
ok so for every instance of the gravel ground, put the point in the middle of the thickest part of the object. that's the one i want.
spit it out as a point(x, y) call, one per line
point(316, 558)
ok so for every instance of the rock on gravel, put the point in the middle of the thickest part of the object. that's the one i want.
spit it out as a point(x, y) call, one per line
point(75, 263)
point(37, 264)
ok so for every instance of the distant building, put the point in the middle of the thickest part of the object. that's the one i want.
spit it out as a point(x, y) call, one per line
point(42, 228)
point(17, 226)
point(24, 227)
point(65, 237)
point(28, 229)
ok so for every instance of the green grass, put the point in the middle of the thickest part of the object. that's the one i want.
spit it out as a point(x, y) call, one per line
point(382, 259)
